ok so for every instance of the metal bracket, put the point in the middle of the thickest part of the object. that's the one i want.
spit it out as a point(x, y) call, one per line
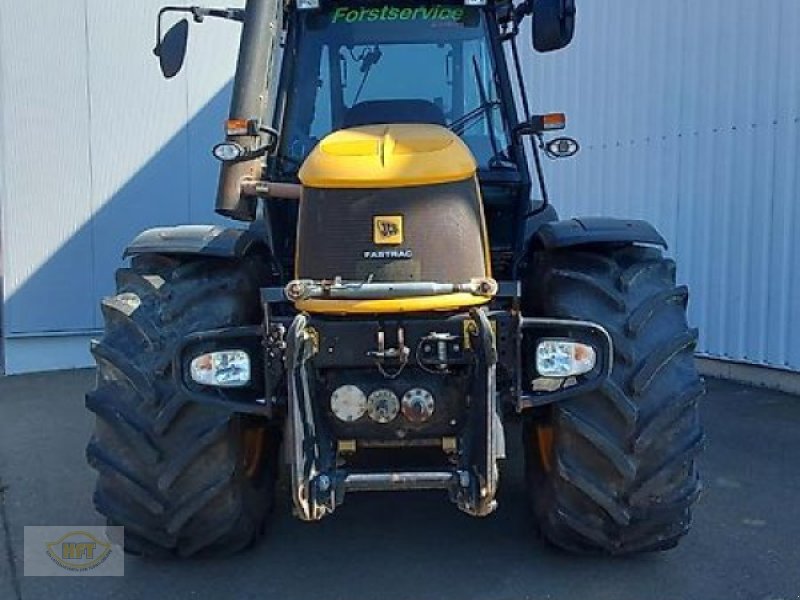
point(308, 480)
point(318, 486)
point(594, 332)
point(484, 441)
point(249, 399)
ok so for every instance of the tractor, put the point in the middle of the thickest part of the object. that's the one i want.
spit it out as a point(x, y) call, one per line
point(402, 290)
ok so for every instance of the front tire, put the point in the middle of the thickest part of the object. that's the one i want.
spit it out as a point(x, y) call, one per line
point(183, 478)
point(613, 470)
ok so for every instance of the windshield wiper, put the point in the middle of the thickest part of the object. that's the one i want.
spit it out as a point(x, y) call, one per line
point(368, 59)
point(483, 111)
point(502, 162)
point(500, 159)
point(485, 102)
point(477, 114)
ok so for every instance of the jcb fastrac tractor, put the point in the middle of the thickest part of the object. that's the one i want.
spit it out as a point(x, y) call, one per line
point(403, 289)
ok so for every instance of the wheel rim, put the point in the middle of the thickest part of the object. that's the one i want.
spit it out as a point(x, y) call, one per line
point(544, 439)
point(253, 456)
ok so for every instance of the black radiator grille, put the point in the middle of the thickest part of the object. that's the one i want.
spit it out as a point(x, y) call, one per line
point(442, 234)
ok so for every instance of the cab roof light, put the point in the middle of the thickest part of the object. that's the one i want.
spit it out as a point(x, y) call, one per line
point(307, 4)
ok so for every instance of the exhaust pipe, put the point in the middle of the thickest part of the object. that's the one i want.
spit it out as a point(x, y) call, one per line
point(260, 35)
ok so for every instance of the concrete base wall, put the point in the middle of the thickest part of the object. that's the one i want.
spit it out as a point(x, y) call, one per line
point(50, 353)
point(767, 377)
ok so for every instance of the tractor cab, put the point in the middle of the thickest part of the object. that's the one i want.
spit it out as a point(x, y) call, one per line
point(365, 64)
point(369, 64)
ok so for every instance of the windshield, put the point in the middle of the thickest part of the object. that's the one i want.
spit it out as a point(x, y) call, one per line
point(396, 63)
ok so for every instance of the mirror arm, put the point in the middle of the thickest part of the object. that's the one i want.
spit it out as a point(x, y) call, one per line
point(253, 154)
point(518, 15)
point(160, 20)
point(525, 128)
point(231, 14)
point(523, 10)
point(198, 14)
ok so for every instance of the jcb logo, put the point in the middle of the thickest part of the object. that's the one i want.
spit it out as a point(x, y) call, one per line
point(388, 230)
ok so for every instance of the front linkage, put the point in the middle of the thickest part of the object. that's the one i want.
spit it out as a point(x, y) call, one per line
point(318, 486)
point(493, 340)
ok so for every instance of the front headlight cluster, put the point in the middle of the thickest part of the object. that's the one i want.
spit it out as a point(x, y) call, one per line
point(563, 358)
point(225, 369)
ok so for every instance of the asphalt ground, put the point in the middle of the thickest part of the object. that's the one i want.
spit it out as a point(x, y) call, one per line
point(744, 543)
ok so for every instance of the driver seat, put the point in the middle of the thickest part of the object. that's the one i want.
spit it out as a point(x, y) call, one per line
point(379, 112)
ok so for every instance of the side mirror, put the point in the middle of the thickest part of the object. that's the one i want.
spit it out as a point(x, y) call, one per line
point(553, 24)
point(171, 50)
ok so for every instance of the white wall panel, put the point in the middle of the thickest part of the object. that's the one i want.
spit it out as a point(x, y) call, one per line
point(139, 143)
point(689, 116)
point(3, 178)
point(97, 147)
point(47, 187)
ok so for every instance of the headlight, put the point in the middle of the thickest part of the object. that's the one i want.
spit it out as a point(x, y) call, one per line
point(561, 358)
point(228, 152)
point(226, 368)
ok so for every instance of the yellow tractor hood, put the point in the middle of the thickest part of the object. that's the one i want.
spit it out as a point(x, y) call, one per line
point(379, 156)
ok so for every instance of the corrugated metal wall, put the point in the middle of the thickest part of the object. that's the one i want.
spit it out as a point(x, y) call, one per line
point(689, 116)
point(97, 147)
point(688, 113)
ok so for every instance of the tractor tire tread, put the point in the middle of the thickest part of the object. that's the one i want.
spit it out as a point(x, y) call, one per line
point(169, 468)
point(624, 479)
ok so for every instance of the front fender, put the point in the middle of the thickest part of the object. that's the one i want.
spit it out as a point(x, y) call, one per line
point(201, 240)
point(596, 230)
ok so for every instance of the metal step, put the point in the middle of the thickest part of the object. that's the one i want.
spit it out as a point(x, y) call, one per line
point(399, 481)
